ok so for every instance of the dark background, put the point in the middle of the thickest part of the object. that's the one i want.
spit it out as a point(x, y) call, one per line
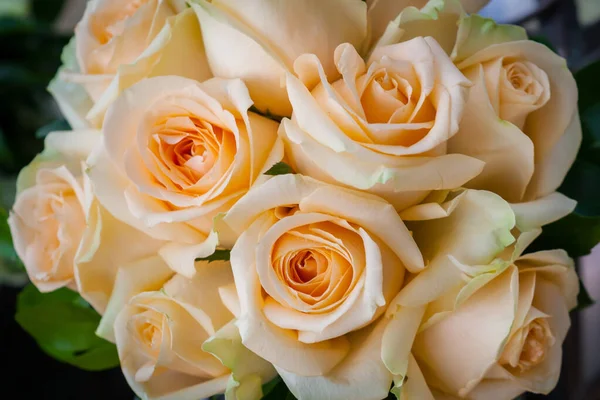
point(30, 47)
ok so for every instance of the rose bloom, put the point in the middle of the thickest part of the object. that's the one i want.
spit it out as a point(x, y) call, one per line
point(61, 233)
point(492, 320)
point(120, 42)
point(384, 126)
point(177, 152)
point(259, 40)
point(521, 117)
point(506, 338)
point(313, 265)
point(165, 339)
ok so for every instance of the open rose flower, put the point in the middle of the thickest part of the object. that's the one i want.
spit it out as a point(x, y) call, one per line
point(521, 117)
point(314, 264)
point(48, 219)
point(165, 339)
point(119, 42)
point(384, 126)
point(258, 40)
point(175, 153)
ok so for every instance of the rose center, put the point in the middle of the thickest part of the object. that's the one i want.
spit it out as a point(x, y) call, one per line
point(186, 149)
point(537, 342)
point(307, 265)
point(520, 77)
point(318, 263)
point(528, 346)
point(148, 332)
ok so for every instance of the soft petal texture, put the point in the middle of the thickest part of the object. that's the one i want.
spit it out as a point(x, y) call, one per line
point(383, 127)
point(543, 211)
point(107, 245)
point(361, 375)
point(48, 220)
point(143, 275)
point(118, 43)
point(259, 40)
point(383, 12)
point(477, 230)
point(176, 153)
point(314, 263)
point(461, 347)
point(72, 99)
point(248, 370)
point(159, 337)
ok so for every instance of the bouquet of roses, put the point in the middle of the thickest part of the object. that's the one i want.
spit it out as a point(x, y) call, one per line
point(346, 194)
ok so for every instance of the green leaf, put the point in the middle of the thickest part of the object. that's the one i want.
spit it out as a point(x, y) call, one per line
point(64, 326)
point(577, 234)
point(280, 168)
point(277, 390)
point(270, 386)
point(584, 299)
point(218, 255)
point(588, 86)
point(57, 125)
point(46, 10)
point(579, 185)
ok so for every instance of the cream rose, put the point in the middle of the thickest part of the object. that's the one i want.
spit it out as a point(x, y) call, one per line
point(521, 117)
point(62, 234)
point(469, 295)
point(313, 265)
point(258, 40)
point(175, 153)
point(165, 339)
point(384, 126)
point(119, 42)
point(48, 219)
point(506, 338)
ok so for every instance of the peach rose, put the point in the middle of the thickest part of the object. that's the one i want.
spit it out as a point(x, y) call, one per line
point(506, 337)
point(385, 125)
point(119, 42)
point(313, 265)
point(166, 338)
point(175, 153)
point(478, 293)
point(258, 40)
point(521, 117)
point(48, 219)
point(64, 237)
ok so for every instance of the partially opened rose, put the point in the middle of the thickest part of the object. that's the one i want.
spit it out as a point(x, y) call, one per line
point(175, 153)
point(314, 264)
point(53, 200)
point(384, 126)
point(162, 335)
point(61, 233)
point(473, 256)
point(521, 117)
point(506, 338)
point(119, 42)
